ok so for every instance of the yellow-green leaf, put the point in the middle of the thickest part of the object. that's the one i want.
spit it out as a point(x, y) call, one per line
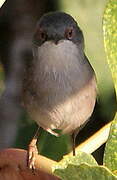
point(85, 172)
point(83, 166)
point(110, 42)
point(110, 37)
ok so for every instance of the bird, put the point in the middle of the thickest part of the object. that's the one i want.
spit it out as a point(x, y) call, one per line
point(59, 87)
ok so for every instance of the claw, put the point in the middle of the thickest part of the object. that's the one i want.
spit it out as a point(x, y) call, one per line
point(32, 152)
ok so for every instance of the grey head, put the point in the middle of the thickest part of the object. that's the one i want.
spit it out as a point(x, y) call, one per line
point(57, 26)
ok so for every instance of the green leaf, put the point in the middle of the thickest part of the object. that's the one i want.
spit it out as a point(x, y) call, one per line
point(110, 37)
point(57, 145)
point(110, 156)
point(81, 157)
point(83, 166)
point(110, 42)
point(85, 172)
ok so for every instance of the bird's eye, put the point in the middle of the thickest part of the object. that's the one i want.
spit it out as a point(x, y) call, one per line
point(69, 33)
point(43, 35)
point(40, 36)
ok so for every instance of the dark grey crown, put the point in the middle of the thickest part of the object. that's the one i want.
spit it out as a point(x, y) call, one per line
point(54, 26)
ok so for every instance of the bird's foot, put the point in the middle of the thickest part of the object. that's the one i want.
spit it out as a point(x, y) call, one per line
point(32, 152)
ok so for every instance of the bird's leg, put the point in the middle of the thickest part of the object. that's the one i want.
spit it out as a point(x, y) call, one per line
point(74, 134)
point(32, 151)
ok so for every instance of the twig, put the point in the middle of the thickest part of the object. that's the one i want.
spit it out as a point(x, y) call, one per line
point(2, 2)
point(44, 164)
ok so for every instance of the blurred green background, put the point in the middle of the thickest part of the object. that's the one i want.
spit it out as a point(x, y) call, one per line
point(89, 14)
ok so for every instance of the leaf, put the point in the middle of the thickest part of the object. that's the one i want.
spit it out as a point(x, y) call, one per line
point(57, 145)
point(85, 172)
point(110, 42)
point(110, 155)
point(110, 37)
point(83, 166)
point(81, 157)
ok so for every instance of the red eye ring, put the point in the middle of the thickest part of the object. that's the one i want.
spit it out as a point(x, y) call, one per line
point(40, 35)
point(69, 33)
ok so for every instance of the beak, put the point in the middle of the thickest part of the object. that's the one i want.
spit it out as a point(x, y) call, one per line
point(56, 40)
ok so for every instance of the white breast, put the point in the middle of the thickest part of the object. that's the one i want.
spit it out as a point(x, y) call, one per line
point(65, 86)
